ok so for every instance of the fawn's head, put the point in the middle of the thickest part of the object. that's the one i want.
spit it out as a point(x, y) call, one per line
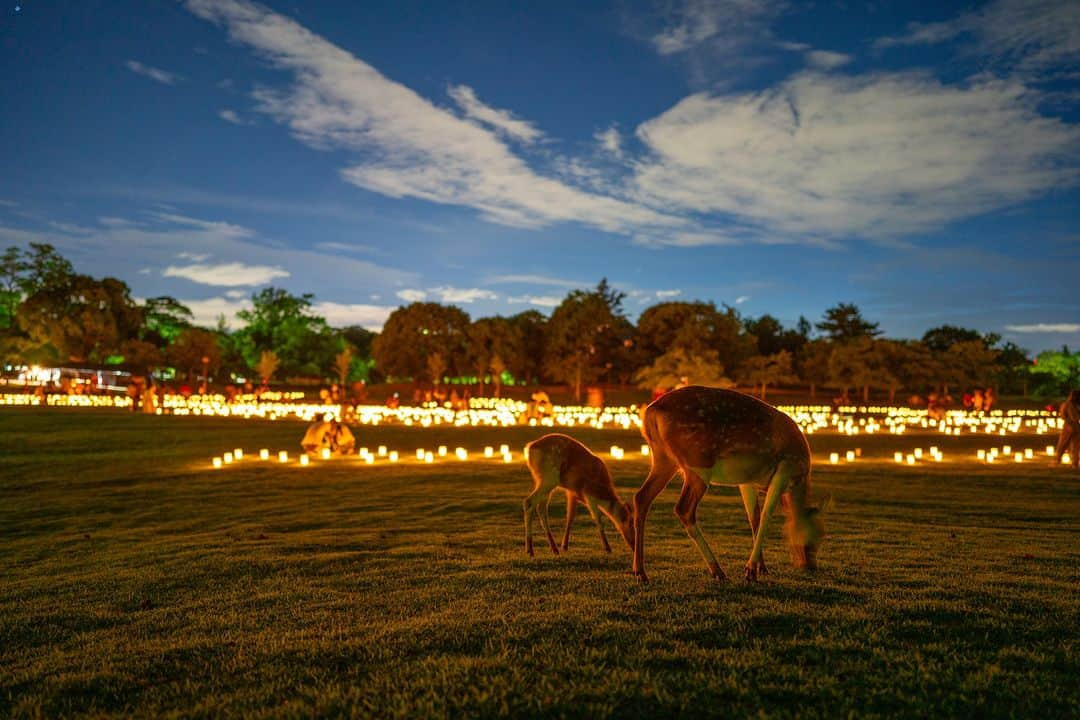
point(805, 529)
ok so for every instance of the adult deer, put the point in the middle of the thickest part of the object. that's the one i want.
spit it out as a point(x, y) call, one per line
point(559, 461)
point(723, 437)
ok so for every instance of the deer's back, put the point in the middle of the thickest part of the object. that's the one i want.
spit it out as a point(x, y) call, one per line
point(699, 426)
point(580, 471)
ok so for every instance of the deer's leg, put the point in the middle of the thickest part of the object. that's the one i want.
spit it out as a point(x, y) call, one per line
point(752, 502)
point(663, 469)
point(544, 515)
point(778, 485)
point(590, 504)
point(529, 506)
point(693, 490)
point(571, 511)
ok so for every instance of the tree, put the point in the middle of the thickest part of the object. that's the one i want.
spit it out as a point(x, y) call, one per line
point(527, 364)
point(968, 363)
point(82, 318)
point(267, 365)
point(1055, 373)
point(343, 364)
point(941, 338)
point(765, 370)
point(498, 367)
point(414, 332)
point(1012, 374)
point(165, 318)
point(436, 367)
point(580, 339)
point(489, 338)
point(849, 365)
point(12, 268)
point(695, 327)
point(814, 364)
point(772, 337)
point(142, 357)
point(906, 364)
point(678, 364)
point(186, 353)
point(845, 322)
point(44, 267)
point(284, 323)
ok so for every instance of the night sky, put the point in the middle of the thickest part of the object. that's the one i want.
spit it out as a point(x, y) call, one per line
point(918, 159)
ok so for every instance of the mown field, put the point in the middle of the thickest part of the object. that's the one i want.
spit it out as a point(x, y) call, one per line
point(136, 581)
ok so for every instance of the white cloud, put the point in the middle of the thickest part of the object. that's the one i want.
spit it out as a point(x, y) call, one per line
point(1022, 35)
point(687, 239)
point(230, 116)
point(1045, 328)
point(547, 301)
point(234, 273)
point(166, 78)
point(371, 317)
point(116, 222)
point(502, 121)
point(668, 293)
point(411, 295)
point(448, 294)
point(193, 257)
point(826, 59)
point(610, 141)
point(236, 294)
point(412, 148)
point(733, 22)
point(741, 299)
point(206, 311)
point(823, 156)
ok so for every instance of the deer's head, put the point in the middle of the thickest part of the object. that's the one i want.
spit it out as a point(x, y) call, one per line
point(622, 516)
point(805, 530)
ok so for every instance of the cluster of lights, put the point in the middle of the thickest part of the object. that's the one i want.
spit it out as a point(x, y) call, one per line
point(1007, 453)
point(366, 456)
point(917, 455)
point(501, 412)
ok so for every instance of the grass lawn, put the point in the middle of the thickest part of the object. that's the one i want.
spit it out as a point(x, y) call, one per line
point(135, 580)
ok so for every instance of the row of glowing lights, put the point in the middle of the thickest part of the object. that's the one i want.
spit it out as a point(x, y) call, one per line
point(504, 412)
point(616, 452)
point(365, 455)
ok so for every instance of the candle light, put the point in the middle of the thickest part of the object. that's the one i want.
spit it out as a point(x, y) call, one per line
point(325, 454)
point(850, 456)
point(898, 457)
point(304, 460)
point(238, 454)
point(264, 454)
point(429, 458)
point(461, 454)
point(393, 456)
point(227, 457)
point(382, 451)
point(283, 456)
point(217, 462)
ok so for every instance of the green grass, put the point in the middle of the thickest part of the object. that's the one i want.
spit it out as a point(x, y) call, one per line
point(134, 580)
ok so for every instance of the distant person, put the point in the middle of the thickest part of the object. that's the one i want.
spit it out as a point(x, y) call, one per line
point(1069, 440)
point(328, 434)
point(978, 401)
point(989, 398)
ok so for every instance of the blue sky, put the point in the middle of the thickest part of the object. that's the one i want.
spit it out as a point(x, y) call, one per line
point(920, 160)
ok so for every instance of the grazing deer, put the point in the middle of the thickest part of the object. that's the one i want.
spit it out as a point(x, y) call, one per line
point(725, 438)
point(559, 461)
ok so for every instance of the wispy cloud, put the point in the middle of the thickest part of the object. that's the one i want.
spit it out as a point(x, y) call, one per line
point(161, 76)
point(610, 141)
point(230, 116)
point(534, 280)
point(741, 299)
point(193, 257)
point(826, 59)
point(1045, 328)
point(503, 121)
point(1029, 36)
point(732, 23)
point(824, 156)
point(664, 294)
point(412, 148)
point(412, 295)
point(228, 274)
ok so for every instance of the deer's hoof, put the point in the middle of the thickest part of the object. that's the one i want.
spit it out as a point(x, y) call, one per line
point(641, 577)
point(717, 572)
point(751, 573)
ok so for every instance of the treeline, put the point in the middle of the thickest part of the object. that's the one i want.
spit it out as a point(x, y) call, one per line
point(50, 314)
